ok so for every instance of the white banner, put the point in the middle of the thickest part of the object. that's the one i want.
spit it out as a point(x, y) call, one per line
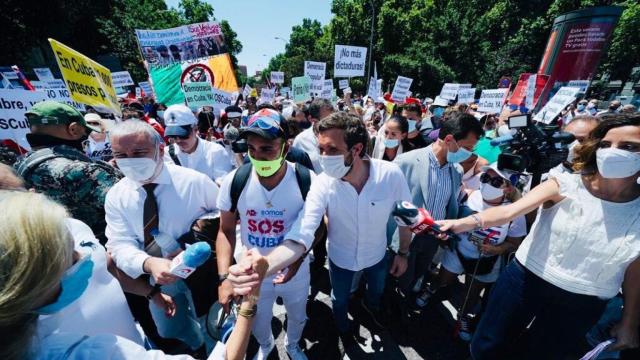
point(121, 79)
point(316, 72)
point(491, 101)
point(349, 61)
point(344, 83)
point(401, 89)
point(277, 77)
point(267, 95)
point(531, 92)
point(63, 96)
point(565, 96)
point(466, 95)
point(44, 74)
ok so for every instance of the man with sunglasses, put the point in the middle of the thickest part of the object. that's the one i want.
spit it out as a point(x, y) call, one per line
point(188, 149)
point(435, 177)
point(268, 206)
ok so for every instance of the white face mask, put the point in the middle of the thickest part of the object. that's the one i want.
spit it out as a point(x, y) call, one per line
point(572, 148)
point(333, 165)
point(615, 163)
point(138, 169)
point(489, 192)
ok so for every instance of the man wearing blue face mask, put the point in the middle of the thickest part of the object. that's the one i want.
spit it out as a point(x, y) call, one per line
point(434, 177)
point(416, 139)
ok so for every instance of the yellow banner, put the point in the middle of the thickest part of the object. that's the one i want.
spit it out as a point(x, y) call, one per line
point(87, 81)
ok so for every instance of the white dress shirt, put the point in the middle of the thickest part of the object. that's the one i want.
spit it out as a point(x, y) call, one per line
point(208, 158)
point(357, 222)
point(182, 194)
point(308, 142)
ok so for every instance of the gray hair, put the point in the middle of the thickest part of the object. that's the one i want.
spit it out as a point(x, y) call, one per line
point(317, 104)
point(135, 126)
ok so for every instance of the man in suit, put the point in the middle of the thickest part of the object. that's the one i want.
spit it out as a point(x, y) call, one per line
point(435, 178)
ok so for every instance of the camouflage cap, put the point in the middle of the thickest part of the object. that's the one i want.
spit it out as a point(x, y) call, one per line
point(54, 113)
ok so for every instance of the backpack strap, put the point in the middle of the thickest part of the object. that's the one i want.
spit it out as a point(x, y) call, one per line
point(33, 160)
point(303, 176)
point(238, 183)
point(173, 155)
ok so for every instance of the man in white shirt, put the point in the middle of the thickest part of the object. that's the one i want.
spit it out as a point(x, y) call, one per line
point(268, 205)
point(357, 194)
point(155, 196)
point(307, 140)
point(188, 149)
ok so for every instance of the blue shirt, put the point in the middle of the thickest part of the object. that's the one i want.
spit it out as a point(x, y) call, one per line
point(439, 185)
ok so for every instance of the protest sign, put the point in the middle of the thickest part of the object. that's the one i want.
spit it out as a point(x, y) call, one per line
point(138, 92)
point(38, 85)
point(88, 82)
point(277, 77)
point(344, 83)
point(373, 89)
point(491, 101)
point(121, 79)
point(316, 72)
point(221, 99)
point(44, 74)
point(146, 87)
point(197, 94)
point(450, 90)
point(582, 84)
point(267, 95)
point(519, 95)
point(55, 84)
point(10, 75)
point(349, 61)
point(326, 89)
point(334, 96)
point(531, 91)
point(466, 95)
point(63, 96)
point(285, 91)
point(558, 102)
point(190, 53)
point(401, 89)
point(347, 91)
point(301, 88)
point(246, 91)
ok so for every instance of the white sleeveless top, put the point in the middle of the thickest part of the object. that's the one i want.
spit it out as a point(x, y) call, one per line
point(583, 244)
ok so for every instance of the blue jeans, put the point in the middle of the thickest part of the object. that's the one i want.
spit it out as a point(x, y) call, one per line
point(562, 318)
point(341, 280)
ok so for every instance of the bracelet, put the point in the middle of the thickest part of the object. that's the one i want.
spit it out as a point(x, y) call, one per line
point(153, 292)
point(223, 277)
point(404, 254)
point(248, 313)
point(478, 220)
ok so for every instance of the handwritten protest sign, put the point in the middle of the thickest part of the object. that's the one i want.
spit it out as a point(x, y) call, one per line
point(344, 83)
point(88, 82)
point(121, 79)
point(558, 102)
point(198, 94)
point(316, 72)
point(349, 61)
point(277, 77)
point(267, 95)
point(491, 101)
point(401, 89)
point(450, 90)
point(466, 95)
point(44, 74)
point(301, 88)
point(327, 88)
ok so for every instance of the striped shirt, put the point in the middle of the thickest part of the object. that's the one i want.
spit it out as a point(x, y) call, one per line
point(439, 185)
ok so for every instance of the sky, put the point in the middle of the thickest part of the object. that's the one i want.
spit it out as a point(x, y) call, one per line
point(258, 22)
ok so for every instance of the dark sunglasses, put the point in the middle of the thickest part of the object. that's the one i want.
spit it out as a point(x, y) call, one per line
point(497, 181)
point(174, 137)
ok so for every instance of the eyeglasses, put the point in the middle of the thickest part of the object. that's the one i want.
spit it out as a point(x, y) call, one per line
point(493, 181)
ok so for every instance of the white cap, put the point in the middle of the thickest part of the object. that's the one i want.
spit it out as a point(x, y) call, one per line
point(179, 115)
point(505, 174)
point(107, 124)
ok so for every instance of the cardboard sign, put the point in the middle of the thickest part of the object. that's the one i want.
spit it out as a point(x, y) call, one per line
point(44, 74)
point(146, 87)
point(316, 72)
point(401, 89)
point(197, 94)
point(121, 79)
point(277, 77)
point(565, 96)
point(344, 83)
point(301, 88)
point(88, 82)
point(349, 61)
point(491, 101)
point(582, 84)
point(267, 95)
point(466, 95)
point(327, 88)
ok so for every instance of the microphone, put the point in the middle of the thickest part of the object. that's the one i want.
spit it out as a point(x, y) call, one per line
point(417, 219)
point(501, 140)
point(231, 134)
point(185, 263)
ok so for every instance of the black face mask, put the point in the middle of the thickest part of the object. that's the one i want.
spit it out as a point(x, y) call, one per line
point(42, 140)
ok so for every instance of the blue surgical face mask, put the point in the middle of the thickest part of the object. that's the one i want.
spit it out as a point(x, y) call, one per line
point(73, 283)
point(438, 112)
point(458, 156)
point(160, 114)
point(391, 143)
point(581, 107)
point(412, 125)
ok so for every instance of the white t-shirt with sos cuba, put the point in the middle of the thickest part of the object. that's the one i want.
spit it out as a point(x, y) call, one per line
point(263, 227)
point(494, 235)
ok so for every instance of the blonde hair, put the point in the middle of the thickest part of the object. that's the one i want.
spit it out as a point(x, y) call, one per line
point(8, 178)
point(35, 250)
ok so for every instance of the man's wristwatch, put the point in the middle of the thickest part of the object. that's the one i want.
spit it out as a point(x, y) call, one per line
point(155, 290)
point(404, 254)
point(223, 277)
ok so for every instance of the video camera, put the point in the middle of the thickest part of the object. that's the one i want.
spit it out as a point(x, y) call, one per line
point(535, 147)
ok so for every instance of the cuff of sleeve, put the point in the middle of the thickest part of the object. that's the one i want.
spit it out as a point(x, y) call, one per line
point(137, 269)
point(305, 241)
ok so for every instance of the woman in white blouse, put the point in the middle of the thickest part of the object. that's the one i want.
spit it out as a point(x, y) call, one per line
point(582, 248)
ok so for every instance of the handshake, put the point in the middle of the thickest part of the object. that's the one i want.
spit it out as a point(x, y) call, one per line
point(247, 275)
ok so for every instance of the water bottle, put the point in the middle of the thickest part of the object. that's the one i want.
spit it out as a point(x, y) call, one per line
point(167, 244)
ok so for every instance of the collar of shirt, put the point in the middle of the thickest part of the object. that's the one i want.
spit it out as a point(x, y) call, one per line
point(196, 153)
point(162, 178)
point(433, 160)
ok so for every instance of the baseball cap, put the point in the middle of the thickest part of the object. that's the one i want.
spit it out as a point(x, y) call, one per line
point(179, 120)
point(233, 111)
point(54, 113)
point(266, 123)
point(505, 174)
point(93, 118)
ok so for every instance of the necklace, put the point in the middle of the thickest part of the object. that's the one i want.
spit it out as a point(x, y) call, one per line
point(268, 199)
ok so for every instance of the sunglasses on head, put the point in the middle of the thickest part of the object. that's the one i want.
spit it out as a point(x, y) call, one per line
point(267, 124)
point(497, 181)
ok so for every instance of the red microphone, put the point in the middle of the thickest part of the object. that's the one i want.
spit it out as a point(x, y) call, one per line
point(417, 219)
